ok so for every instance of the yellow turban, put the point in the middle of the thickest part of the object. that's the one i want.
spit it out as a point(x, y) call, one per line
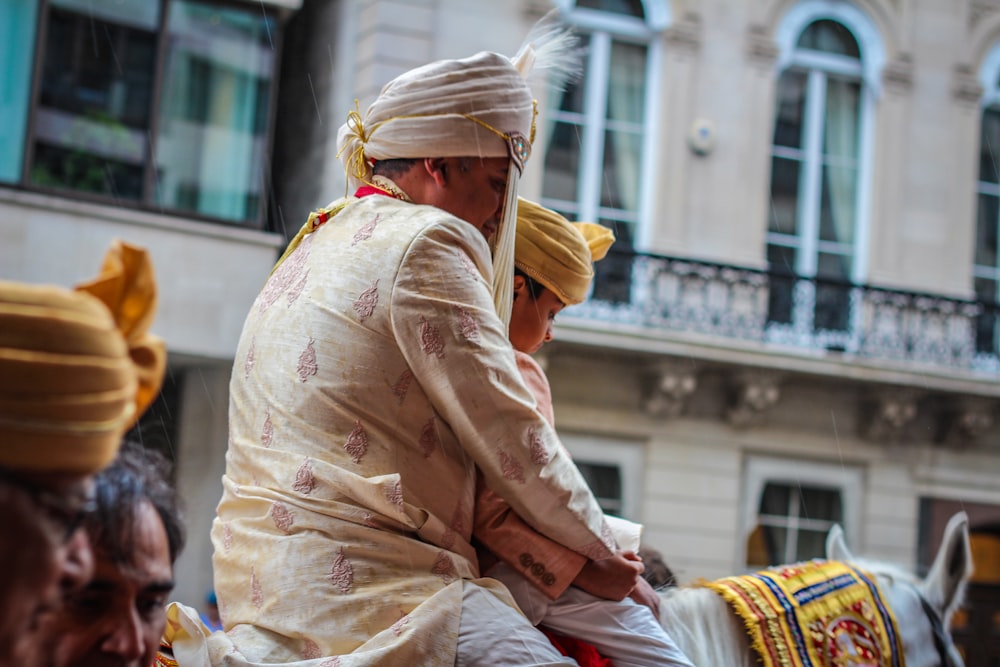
point(558, 253)
point(77, 368)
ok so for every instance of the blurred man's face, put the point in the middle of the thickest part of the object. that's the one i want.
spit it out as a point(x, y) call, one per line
point(474, 191)
point(118, 618)
point(45, 555)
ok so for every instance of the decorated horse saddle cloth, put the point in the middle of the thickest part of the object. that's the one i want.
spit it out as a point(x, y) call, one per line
point(814, 614)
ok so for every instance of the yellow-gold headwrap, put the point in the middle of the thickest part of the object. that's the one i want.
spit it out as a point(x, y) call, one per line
point(77, 367)
point(558, 253)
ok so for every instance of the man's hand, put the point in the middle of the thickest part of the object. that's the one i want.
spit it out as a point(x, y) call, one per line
point(612, 578)
point(644, 594)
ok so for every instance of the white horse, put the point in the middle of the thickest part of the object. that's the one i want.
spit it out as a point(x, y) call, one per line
point(711, 635)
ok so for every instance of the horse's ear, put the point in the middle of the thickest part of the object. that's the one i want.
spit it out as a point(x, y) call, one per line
point(945, 583)
point(836, 545)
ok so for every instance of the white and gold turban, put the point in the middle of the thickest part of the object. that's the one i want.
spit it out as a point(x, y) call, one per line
point(558, 253)
point(77, 367)
point(481, 106)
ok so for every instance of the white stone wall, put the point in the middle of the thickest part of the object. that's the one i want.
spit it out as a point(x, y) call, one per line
point(202, 440)
point(207, 275)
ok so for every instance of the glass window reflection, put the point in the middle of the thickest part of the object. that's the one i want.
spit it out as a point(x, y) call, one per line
point(164, 105)
point(212, 136)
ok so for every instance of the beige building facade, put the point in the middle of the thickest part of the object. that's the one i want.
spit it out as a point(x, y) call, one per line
point(798, 327)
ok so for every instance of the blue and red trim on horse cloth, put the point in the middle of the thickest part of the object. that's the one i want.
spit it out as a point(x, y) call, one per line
point(814, 614)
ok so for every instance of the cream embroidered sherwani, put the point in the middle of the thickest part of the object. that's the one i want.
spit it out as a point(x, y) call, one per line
point(372, 377)
point(502, 534)
point(539, 572)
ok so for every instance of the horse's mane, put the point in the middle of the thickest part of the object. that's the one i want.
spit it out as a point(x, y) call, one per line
point(889, 574)
point(889, 571)
point(695, 618)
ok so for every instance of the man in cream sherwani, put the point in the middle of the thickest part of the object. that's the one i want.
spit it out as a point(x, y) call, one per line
point(373, 376)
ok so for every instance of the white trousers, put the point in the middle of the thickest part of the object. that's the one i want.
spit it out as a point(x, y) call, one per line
point(491, 633)
point(625, 632)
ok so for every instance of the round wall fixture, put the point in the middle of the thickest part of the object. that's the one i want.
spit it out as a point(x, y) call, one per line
point(701, 137)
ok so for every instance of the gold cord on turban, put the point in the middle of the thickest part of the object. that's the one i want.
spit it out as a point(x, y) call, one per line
point(558, 253)
point(481, 106)
point(77, 367)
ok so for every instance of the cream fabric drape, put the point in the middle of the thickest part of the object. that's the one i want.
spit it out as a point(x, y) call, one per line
point(372, 377)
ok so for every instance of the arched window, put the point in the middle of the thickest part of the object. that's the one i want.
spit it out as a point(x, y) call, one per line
point(598, 126)
point(986, 262)
point(820, 167)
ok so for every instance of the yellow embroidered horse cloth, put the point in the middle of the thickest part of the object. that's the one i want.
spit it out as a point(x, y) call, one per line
point(815, 614)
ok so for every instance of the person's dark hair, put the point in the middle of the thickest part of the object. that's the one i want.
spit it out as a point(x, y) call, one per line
point(535, 288)
point(657, 573)
point(137, 475)
point(394, 167)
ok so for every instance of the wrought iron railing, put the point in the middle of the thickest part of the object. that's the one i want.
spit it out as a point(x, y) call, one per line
point(811, 314)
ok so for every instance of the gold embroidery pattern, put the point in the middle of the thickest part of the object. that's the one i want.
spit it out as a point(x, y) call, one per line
point(365, 304)
point(428, 438)
point(357, 443)
point(444, 568)
point(430, 339)
point(814, 614)
point(267, 431)
point(282, 518)
point(305, 482)
point(366, 231)
point(256, 592)
point(539, 456)
point(510, 468)
point(307, 362)
point(342, 573)
point(402, 385)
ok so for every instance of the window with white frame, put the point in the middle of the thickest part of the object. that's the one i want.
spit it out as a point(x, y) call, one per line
point(612, 468)
point(790, 506)
point(598, 128)
point(820, 164)
point(986, 263)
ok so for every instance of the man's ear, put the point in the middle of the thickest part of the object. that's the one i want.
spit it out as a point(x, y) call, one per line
point(520, 284)
point(437, 169)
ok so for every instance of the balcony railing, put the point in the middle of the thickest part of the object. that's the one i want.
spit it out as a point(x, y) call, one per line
point(810, 314)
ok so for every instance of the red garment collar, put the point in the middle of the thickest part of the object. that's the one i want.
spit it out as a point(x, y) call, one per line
point(366, 190)
point(388, 189)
